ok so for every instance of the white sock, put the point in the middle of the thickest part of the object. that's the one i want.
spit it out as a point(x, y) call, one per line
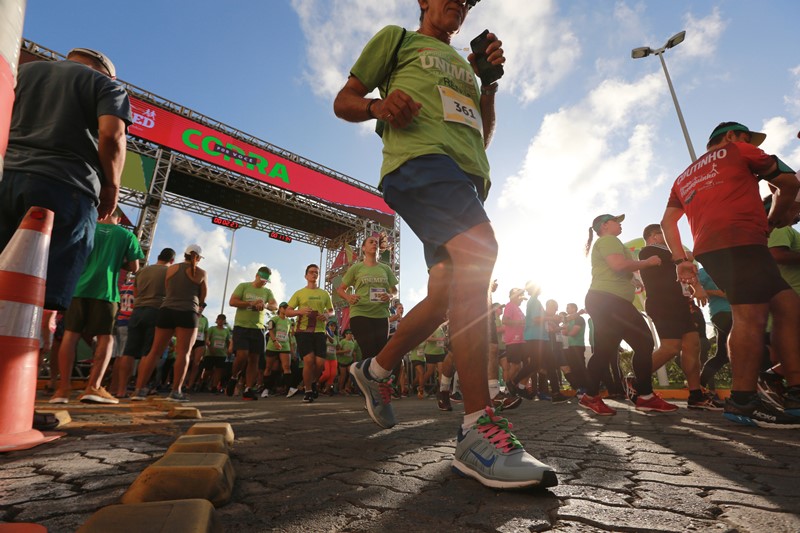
point(377, 371)
point(494, 388)
point(470, 420)
point(646, 396)
point(444, 383)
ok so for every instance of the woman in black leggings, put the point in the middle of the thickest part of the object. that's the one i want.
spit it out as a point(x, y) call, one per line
point(375, 285)
point(609, 303)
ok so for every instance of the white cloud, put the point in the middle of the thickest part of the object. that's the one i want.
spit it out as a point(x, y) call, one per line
point(793, 100)
point(216, 245)
point(702, 35)
point(594, 157)
point(540, 48)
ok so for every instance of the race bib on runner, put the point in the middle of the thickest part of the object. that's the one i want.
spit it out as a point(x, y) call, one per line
point(458, 108)
point(375, 294)
point(281, 336)
point(331, 349)
point(219, 344)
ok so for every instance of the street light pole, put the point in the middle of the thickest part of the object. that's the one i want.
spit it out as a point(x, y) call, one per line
point(227, 272)
point(645, 51)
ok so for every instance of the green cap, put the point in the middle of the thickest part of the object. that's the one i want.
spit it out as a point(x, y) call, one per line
point(602, 219)
point(756, 137)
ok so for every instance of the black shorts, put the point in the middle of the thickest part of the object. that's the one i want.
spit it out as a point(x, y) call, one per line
point(747, 274)
point(141, 329)
point(172, 318)
point(198, 344)
point(211, 362)
point(432, 359)
point(674, 322)
point(251, 340)
point(90, 316)
point(415, 363)
point(515, 353)
point(308, 343)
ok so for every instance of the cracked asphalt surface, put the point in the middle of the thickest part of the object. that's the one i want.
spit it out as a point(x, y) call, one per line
point(327, 467)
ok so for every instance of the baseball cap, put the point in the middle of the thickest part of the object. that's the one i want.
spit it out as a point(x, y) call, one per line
point(264, 273)
point(602, 219)
point(513, 293)
point(99, 56)
point(756, 137)
point(194, 248)
point(283, 304)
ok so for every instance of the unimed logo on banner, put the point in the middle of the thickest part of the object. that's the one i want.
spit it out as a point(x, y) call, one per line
point(192, 138)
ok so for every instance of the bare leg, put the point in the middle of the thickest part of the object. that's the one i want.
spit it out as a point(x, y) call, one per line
point(183, 345)
point(148, 363)
point(746, 344)
point(785, 307)
point(473, 255)
point(102, 355)
point(66, 358)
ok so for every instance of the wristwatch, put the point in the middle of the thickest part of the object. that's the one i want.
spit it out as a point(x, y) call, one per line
point(489, 89)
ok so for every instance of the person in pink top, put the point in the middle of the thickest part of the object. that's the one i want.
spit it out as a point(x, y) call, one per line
point(514, 330)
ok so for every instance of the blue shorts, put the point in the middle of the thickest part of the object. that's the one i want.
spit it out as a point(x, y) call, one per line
point(437, 200)
point(73, 228)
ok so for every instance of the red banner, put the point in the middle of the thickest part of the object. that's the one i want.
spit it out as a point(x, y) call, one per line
point(168, 129)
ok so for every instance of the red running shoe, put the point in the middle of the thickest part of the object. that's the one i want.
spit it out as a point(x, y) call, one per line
point(655, 403)
point(596, 404)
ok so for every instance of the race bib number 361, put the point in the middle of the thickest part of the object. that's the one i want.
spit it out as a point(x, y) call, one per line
point(459, 108)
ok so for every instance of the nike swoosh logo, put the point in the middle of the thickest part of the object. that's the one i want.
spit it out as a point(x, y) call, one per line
point(484, 461)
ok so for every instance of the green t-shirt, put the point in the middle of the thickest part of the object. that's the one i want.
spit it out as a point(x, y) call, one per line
point(250, 318)
point(580, 338)
point(427, 68)
point(331, 346)
point(279, 331)
point(418, 353)
point(319, 301)
point(113, 247)
point(435, 347)
point(606, 279)
point(218, 340)
point(787, 237)
point(202, 328)
point(349, 348)
point(369, 283)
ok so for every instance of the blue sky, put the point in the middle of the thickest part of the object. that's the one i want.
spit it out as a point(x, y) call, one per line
point(583, 129)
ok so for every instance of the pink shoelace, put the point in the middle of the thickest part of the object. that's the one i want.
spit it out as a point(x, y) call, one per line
point(385, 389)
point(497, 431)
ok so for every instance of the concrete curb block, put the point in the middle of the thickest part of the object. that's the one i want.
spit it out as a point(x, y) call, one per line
point(180, 476)
point(213, 428)
point(199, 444)
point(195, 515)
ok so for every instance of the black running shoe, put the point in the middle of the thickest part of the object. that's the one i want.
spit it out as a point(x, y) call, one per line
point(761, 414)
point(250, 394)
point(230, 388)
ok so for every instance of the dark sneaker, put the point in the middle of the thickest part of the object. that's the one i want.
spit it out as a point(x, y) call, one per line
point(559, 398)
point(378, 394)
point(308, 398)
point(443, 400)
point(491, 454)
point(544, 397)
point(230, 388)
point(771, 390)
point(655, 403)
point(140, 395)
point(176, 396)
point(249, 394)
point(704, 404)
point(505, 401)
point(456, 397)
point(791, 401)
point(758, 413)
point(523, 393)
point(596, 405)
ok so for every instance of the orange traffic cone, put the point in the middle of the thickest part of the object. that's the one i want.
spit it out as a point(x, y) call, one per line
point(23, 269)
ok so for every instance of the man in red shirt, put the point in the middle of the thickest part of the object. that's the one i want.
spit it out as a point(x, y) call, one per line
point(719, 195)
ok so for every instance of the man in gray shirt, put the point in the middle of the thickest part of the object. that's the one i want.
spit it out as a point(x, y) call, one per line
point(66, 152)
